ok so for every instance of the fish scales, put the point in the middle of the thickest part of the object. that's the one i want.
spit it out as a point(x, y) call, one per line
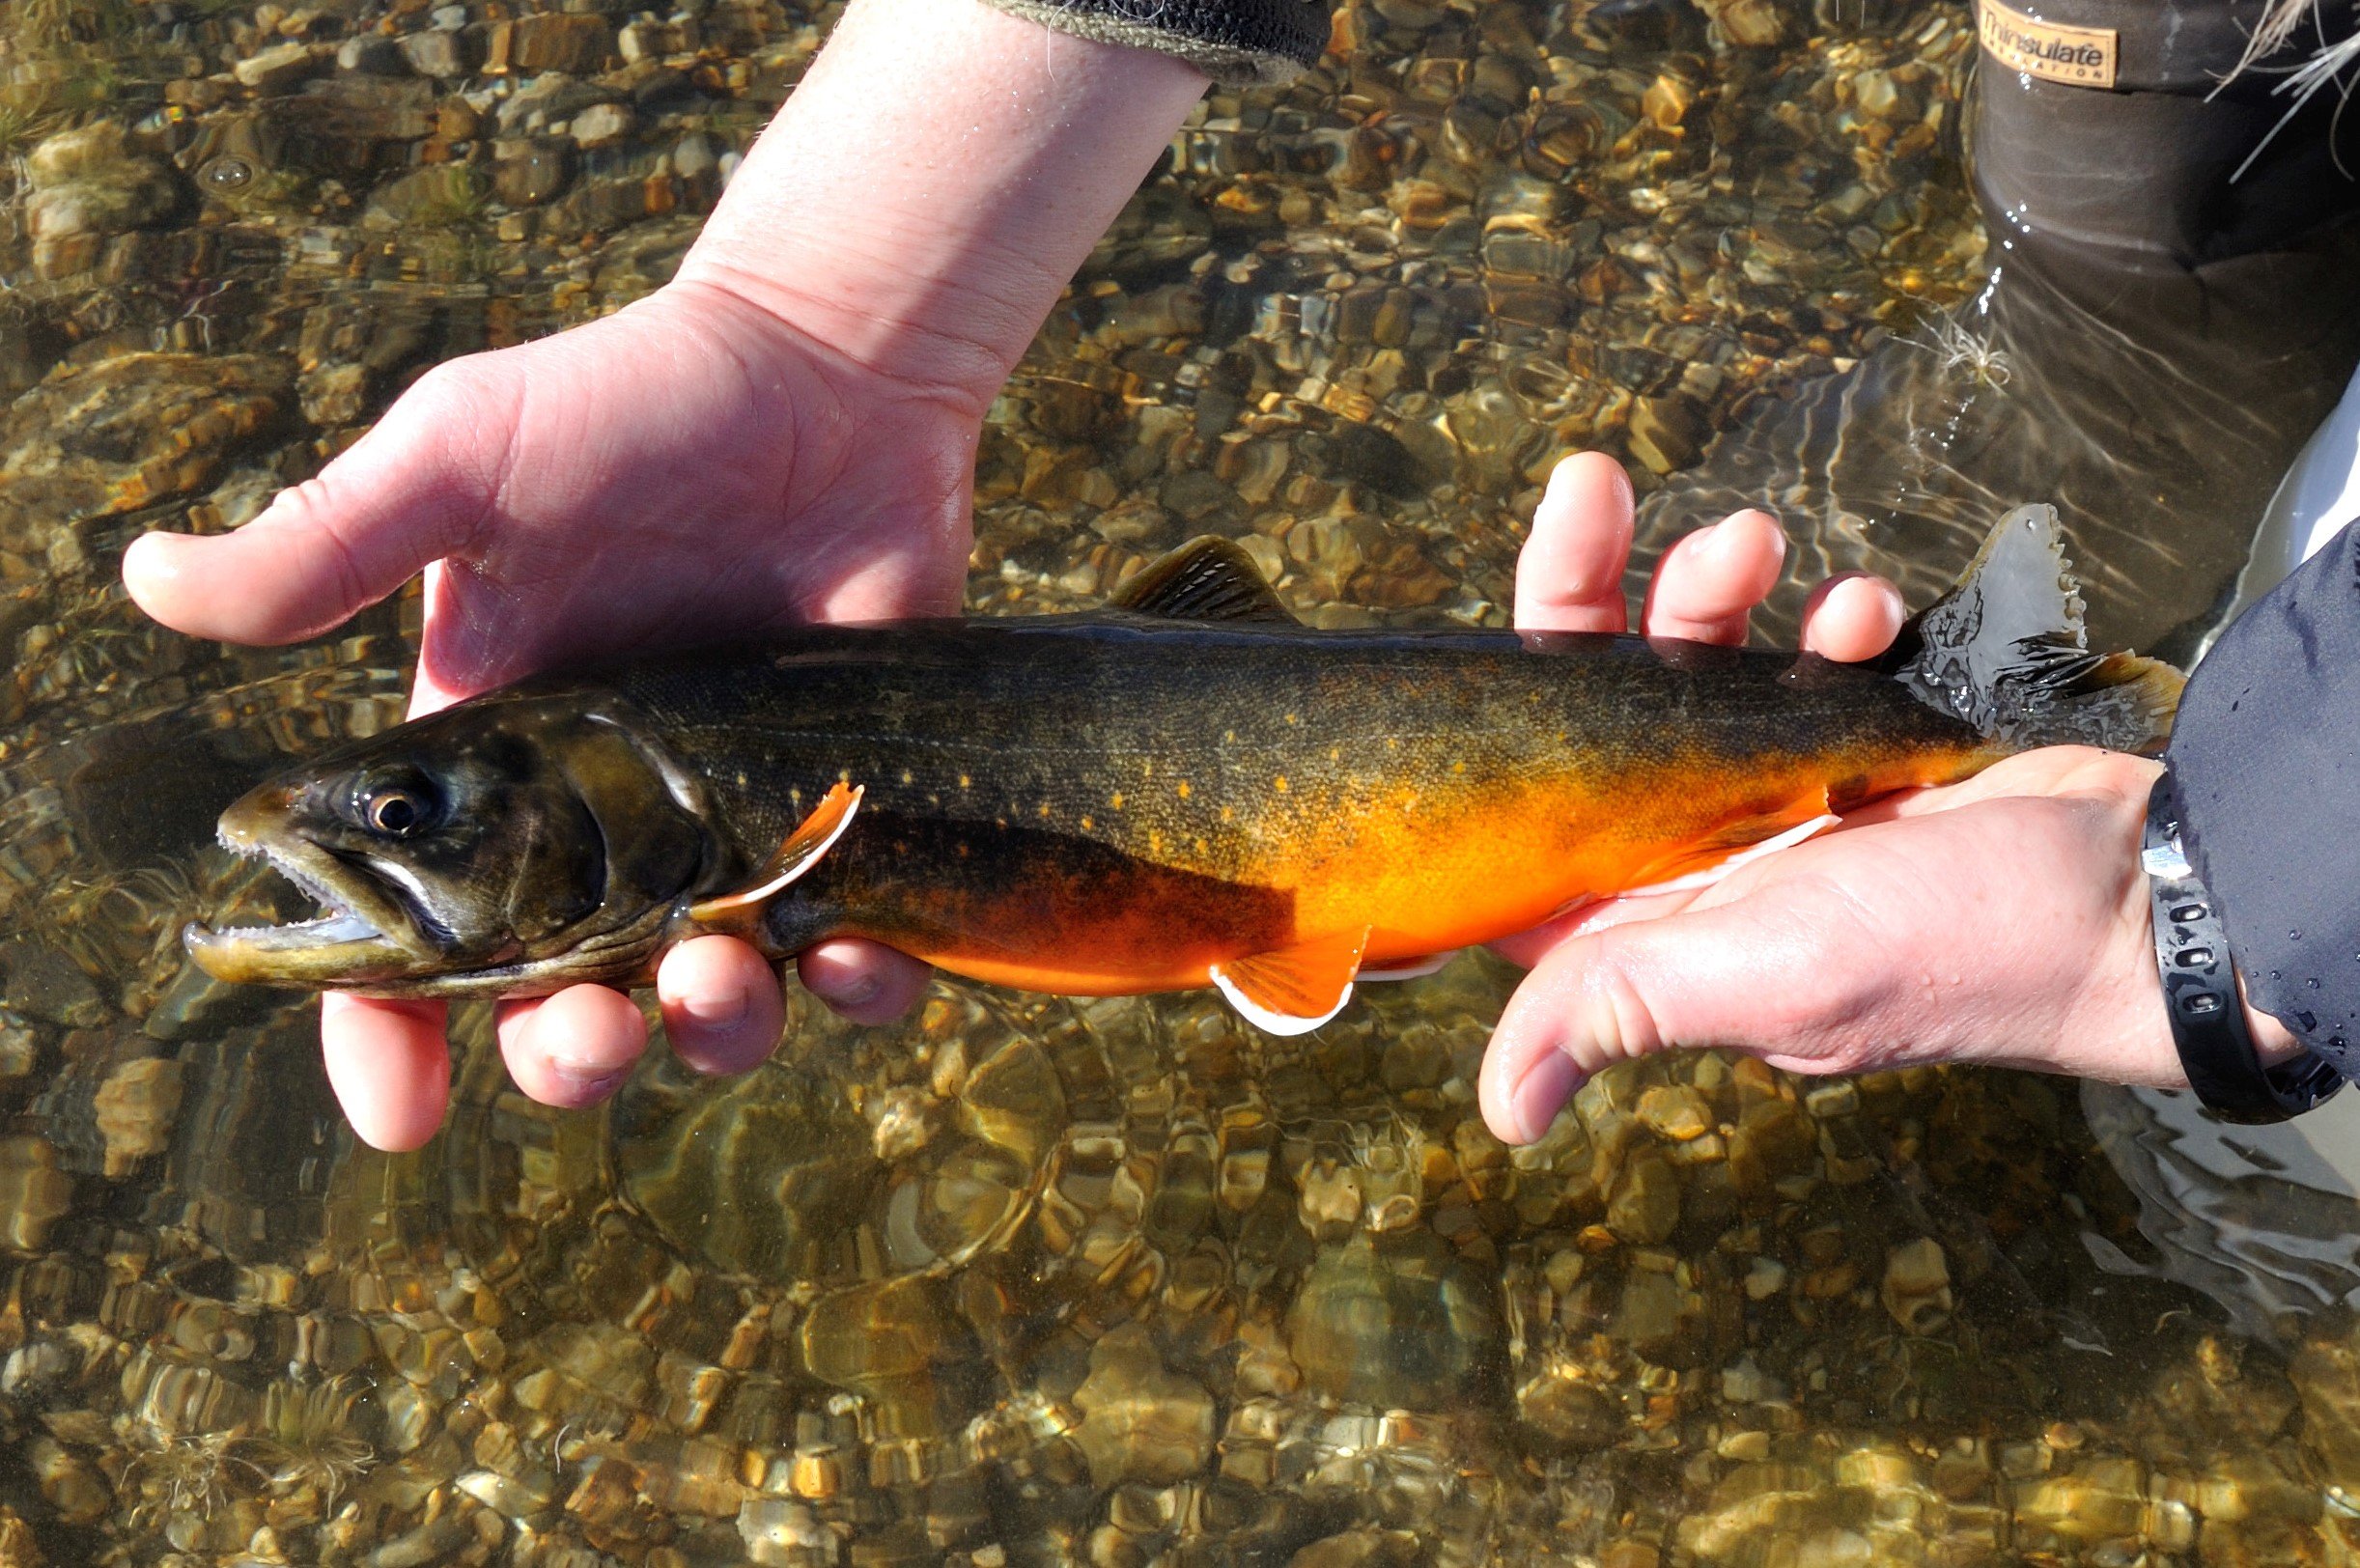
point(1092, 807)
point(1187, 789)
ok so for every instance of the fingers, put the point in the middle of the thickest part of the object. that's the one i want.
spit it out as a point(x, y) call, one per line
point(1709, 978)
point(1709, 582)
point(1852, 616)
point(573, 1049)
point(411, 490)
point(1569, 574)
point(722, 1007)
point(867, 981)
point(723, 1010)
point(389, 1067)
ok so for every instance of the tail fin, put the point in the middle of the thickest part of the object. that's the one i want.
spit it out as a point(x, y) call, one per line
point(2006, 651)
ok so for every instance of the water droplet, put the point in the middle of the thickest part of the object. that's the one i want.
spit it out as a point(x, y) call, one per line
point(225, 174)
point(2313, 982)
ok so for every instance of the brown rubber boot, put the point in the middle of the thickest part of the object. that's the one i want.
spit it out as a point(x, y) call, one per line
point(2174, 305)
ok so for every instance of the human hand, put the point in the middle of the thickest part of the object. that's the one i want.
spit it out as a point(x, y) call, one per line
point(2003, 920)
point(785, 433)
point(568, 514)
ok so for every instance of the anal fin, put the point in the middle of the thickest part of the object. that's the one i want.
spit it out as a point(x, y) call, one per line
point(1708, 864)
point(1408, 968)
point(813, 837)
point(1294, 990)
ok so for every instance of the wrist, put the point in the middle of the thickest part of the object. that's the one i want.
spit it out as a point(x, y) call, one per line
point(2274, 1041)
point(2242, 1064)
point(934, 183)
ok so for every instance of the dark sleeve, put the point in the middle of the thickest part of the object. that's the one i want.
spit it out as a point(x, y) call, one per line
point(2266, 756)
point(1238, 42)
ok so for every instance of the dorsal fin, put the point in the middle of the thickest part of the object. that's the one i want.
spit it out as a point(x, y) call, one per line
point(1206, 579)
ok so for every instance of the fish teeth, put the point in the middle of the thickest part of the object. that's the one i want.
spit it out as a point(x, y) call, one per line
point(330, 908)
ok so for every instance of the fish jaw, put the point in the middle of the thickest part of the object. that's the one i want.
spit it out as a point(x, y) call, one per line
point(362, 934)
point(336, 950)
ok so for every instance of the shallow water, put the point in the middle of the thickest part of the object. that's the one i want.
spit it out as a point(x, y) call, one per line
point(1025, 1279)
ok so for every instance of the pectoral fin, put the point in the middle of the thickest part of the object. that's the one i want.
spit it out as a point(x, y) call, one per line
point(1294, 990)
point(814, 836)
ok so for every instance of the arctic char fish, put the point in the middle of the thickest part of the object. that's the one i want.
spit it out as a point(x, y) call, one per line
point(1187, 788)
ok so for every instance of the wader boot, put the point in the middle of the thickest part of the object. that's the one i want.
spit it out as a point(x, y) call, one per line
point(2174, 305)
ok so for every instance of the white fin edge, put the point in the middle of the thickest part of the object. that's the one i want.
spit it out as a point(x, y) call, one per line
point(1267, 1021)
point(1710, 875)
point(1408, 971)
point(795, 873)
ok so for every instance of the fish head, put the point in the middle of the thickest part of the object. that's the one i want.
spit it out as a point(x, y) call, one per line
point(509, 846)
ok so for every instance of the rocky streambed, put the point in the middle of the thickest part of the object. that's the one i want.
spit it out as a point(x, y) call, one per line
point(1023, 1280)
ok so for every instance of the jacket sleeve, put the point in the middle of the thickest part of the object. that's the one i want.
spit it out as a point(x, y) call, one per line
point(1237, 41)
point(2266, 756)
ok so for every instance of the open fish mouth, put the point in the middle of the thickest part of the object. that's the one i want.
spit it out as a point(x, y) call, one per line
point(359, 933)
point(334, 923)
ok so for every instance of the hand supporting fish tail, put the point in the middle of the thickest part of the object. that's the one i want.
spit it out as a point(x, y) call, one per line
point(2004, 921)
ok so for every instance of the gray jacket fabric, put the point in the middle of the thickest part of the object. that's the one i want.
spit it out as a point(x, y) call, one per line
point(2266, 756)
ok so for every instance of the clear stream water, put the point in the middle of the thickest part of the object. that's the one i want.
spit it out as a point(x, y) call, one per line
point(1029, 1280)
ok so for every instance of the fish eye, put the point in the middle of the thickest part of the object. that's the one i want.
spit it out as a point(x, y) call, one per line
point(398, 807)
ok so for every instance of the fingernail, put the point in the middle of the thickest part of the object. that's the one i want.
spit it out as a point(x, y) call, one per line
point(589, 1083)
point(1543, 1093)
point(718, 1012)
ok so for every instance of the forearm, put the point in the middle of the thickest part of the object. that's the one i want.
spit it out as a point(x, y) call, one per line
point(934, 181)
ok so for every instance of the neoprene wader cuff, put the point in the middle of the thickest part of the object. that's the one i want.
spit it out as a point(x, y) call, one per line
point(2115, 126)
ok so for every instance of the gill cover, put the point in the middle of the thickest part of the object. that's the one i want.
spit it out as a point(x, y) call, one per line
point(508, 846)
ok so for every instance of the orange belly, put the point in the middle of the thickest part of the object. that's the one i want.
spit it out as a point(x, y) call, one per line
point(1427, 870)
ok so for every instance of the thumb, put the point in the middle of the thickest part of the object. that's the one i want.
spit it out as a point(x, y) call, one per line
point(1706, 977)
point(414, 489)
